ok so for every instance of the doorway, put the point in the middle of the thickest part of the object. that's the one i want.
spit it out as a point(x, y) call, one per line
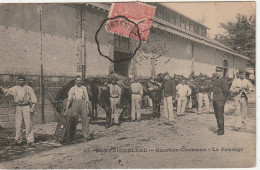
point(122, 68)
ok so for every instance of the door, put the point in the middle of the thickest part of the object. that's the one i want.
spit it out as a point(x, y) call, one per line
point(122, 67)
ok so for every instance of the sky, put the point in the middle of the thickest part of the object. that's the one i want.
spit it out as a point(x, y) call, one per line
point(213, 12)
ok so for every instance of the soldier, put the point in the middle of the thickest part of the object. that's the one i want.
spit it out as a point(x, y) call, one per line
point(240, 88)
point(218, 95)
point(169, 92)
point(78, 97)
point(25, 100)
point(182, 92)
point(115, 97)
point(137, 93)
point(203, 89)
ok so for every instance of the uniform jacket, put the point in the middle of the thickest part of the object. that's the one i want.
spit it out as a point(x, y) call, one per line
point(169, 88)
point(220, 89)
point(203, 87)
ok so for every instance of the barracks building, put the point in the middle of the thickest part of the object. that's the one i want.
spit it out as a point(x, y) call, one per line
point(63, 35)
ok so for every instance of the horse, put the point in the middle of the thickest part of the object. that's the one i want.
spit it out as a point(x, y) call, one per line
point(98, 92)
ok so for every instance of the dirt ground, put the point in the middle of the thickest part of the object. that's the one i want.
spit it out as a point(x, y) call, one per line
point(191, 142)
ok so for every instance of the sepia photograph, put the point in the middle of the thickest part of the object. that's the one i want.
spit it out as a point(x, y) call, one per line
point(119, 85)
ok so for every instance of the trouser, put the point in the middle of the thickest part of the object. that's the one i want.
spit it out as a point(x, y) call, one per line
point(181, 106)
point(219, 113)
point(114, 108)
point(79, 107)
point(136, 99)
point(241, 107)
point(203, 97)
point(23, 113)
point(168, 108)
point(150, 102)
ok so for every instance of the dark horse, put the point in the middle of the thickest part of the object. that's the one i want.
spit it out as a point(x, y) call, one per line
point(98, 92)
point(153, 89)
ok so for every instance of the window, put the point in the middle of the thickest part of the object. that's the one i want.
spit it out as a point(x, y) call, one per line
point(173, 19)
point(187, 25)
point(178, 22)
point(79, 67)
point(204, 32)
point(167, 16)
point(196, 29)
point(183, 24)
point(200, 31)
point(225, 66)
point(116, 40)
point(159, 13)
point(192, 27)
point(121, 42)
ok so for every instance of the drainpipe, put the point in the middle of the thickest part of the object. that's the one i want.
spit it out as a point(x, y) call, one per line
point(83, 56)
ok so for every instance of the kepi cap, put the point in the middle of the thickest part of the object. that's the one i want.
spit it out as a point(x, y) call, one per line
point(21, 77)
point(219, 68)
point(241, 71)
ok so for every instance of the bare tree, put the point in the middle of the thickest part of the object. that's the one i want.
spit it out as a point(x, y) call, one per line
point(152, 50)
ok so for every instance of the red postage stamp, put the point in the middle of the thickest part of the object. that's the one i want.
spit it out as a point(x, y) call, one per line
point(139, 13)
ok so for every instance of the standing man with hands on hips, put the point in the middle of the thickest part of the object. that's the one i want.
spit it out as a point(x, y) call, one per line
point(78, 96)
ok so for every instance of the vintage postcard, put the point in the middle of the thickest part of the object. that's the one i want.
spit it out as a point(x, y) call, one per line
point(127, 85)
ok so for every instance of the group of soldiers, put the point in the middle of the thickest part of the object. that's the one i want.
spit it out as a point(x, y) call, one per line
point(78, 100)
point(217, 91)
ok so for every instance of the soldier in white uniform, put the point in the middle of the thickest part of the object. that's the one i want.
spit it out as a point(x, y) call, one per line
point(115, 96)
point(240, 88)
point(25, 99)
point(78, 96)
point(182, 92)
point(137, 93)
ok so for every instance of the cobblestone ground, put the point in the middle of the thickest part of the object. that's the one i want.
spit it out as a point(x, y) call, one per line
point(190, 142)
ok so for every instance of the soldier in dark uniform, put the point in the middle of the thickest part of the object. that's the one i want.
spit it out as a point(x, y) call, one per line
point(219, 92)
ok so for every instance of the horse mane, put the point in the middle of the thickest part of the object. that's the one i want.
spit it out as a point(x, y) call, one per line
point(63, 92)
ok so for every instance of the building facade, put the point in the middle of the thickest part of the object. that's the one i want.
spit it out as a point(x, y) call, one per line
point(55, 34)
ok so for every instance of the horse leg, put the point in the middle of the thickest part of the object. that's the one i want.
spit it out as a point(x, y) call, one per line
point(108, 113)
point(158, 110)
point(91, 110)
point(126, 111)
point(95, 111)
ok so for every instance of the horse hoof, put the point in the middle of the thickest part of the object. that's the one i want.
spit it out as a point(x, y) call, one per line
point(107, 126)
